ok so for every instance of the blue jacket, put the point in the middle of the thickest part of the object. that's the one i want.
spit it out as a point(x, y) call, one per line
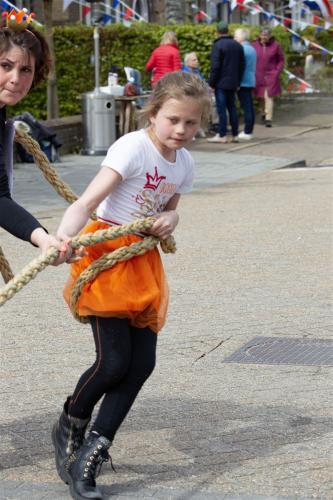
point(195, 71)
point(249, 75)
point(227, 63)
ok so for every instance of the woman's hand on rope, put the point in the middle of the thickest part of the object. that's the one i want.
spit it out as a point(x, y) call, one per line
point(165, 224)
point(44, 241)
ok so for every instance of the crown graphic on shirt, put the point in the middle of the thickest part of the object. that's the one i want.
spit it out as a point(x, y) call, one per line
point(153, 181)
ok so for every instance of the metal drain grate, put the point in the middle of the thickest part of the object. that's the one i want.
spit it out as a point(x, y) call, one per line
point(284, 351)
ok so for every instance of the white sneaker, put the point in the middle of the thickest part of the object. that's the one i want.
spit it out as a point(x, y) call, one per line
point(217, 138)
point(245, 137)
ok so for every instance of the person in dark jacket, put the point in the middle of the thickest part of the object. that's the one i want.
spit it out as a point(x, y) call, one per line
point(165, 58)
point(227, 66)
point(24, 62)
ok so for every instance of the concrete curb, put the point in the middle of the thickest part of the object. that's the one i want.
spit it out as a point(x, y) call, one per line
point(295, 164)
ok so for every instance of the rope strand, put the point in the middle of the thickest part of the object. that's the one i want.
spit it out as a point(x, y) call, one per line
point(5, 269)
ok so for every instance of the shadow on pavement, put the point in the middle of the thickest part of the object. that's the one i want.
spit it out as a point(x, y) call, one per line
point(217, 437)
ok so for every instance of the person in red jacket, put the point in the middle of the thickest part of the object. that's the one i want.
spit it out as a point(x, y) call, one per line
point(270, 63)
point(164, 58)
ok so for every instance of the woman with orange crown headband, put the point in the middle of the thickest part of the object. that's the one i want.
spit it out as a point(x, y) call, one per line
point(24, 62)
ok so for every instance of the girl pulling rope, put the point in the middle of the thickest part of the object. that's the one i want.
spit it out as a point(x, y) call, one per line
point(144, 174)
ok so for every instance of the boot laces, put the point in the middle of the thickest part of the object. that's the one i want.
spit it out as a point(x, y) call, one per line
point(103, 458)
point(94, 462)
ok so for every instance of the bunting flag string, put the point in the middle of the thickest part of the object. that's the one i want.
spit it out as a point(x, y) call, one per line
point(113, 11)
point(287, 21)
point(85, 10)
point(129, 12)
point(322, 6)
point(326, 10)
point(293, 3)
point(276, 19)
point(276, 22)
point(256, 9)
point(303, 86)
point(201, 15)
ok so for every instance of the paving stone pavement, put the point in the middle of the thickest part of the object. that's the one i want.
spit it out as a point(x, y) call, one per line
point(212, 168)
point(302, 130)
point(254, 259)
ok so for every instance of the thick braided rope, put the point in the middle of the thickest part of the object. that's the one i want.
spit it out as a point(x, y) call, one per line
point(28, 273)
point(137, 226)
point(88, 239)
point(5, 269)
point(43, 163)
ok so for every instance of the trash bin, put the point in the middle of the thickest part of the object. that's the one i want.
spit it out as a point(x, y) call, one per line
point(99, 122)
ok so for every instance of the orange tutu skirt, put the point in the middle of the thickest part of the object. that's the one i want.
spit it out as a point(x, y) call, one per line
point(135, 289)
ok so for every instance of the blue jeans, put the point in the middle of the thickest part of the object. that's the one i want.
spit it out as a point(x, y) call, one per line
point(225, 100)
point(246, 103)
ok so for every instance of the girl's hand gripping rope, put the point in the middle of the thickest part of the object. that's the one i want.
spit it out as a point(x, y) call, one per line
point(165, 224)
point(72, 254)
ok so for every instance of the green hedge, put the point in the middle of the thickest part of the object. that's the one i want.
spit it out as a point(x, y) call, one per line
point(120, 46)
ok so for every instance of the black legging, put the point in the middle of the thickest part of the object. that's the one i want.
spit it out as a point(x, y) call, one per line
point(125, 358)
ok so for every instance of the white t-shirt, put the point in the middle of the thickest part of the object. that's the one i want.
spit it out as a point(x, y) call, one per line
point(149, 180)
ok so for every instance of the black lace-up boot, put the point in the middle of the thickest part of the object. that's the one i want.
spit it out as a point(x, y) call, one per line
point(67, 436)
point(82, 467)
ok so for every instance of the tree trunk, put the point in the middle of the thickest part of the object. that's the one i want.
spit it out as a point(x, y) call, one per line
point(157, 11)
point(52, 93)
point(175, 11)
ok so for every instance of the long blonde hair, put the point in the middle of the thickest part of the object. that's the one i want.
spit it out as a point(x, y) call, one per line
point(177, 85)
point(169, 37)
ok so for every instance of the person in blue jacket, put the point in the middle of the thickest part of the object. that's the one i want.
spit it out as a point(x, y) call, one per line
point(227, 66)
point(247, 84)
point(191, 65)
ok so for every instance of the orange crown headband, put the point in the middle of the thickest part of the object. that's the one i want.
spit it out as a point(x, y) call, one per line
point(18, 19)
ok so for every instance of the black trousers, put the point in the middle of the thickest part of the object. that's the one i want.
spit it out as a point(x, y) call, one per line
point(125, 358)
